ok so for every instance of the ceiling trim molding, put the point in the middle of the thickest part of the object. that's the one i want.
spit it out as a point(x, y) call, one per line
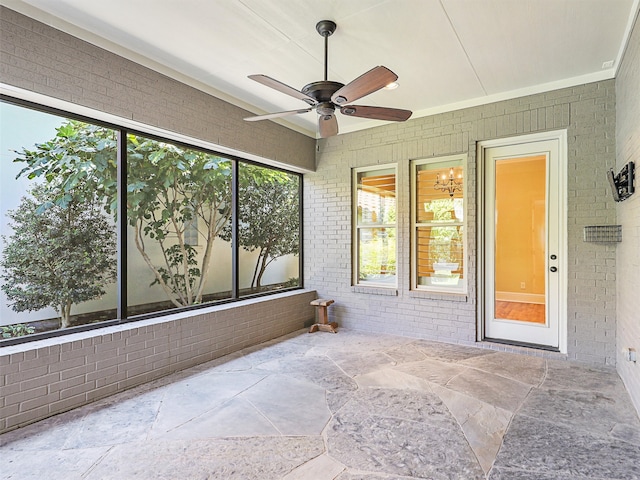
point(635, 8)
point(498, 97)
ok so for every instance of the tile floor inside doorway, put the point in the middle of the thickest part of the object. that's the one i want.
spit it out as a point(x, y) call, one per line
point(347, 406)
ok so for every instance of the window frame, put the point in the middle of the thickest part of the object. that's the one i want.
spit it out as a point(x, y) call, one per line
point(122, 129)
point(454, 161)
point(355, 241)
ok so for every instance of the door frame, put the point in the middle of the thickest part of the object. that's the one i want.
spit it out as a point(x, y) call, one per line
point(563, 264)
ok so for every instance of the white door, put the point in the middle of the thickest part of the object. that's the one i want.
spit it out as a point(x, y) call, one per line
point(524, 264)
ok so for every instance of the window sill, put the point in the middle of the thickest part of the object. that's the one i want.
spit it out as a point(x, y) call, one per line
point(391, 292)
point(432, 295)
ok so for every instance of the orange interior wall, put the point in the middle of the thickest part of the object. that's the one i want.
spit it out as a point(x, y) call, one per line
point(520, 225)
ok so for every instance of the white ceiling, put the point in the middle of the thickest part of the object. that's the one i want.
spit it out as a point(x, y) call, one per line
point(448, 54)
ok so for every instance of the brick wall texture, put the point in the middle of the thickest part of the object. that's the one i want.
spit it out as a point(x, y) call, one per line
point(586, 112)
point(47, 377)
point(38, 58)
point(69, 371)
point(628, 254)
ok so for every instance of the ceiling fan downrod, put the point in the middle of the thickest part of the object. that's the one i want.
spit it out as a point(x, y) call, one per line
point(326, 29)
point(325, 96)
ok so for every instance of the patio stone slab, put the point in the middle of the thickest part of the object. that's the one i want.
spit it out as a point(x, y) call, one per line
point(483, 425)
point(512, 474)
point(265, 458)
point(392, 378)
point(236, 418)
point(574, 376)
point(401, 447)
point(60, 464)
point(405, 433)
point(195, 396)
point(529, 370)
point(294, 407)
point(360, 363)
point(592, 411)
point(449, 352)
point(322, 467)
point(435, 371)
point(492, 389)
point(349, 406)
point(544, 448)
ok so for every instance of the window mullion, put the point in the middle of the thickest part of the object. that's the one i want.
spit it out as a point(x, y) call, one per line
point(121, 223)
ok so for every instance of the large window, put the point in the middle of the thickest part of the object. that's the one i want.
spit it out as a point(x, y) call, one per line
point(268, 229)
point(58, 248)
point(196, 227)
point(438, 228)
point(375, 226)
point(178, 206)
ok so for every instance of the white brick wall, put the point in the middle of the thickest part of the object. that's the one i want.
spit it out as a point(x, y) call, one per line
point(588, 114)
point(46, 377)
point(628, 252)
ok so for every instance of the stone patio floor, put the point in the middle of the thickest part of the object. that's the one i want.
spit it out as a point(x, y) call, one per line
point(347, 406)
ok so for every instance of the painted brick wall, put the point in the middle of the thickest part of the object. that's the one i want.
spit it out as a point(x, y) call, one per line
point(47, 377)
point(628, 254)
point(587, 112)
point(41, 59)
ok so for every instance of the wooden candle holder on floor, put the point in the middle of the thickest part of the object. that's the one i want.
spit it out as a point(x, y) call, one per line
point(323, 324)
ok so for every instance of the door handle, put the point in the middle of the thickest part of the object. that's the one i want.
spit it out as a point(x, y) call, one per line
point(553, 269)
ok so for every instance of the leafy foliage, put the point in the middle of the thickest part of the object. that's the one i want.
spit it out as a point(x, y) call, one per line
point(269, 216)
point(58, 255)
point(169, 188)
point(16, 330)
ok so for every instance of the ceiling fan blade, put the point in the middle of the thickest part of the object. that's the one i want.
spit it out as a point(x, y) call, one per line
point(277, 114)
point(328, 125)
point(377, 113)
point(281, 87)
point(367, 83)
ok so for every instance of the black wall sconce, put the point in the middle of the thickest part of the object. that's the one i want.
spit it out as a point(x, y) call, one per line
point(622, 183)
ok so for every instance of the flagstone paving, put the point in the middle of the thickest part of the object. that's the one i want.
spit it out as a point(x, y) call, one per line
point(346, 406)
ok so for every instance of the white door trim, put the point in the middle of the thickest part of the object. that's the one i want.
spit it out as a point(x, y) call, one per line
point(482, 146)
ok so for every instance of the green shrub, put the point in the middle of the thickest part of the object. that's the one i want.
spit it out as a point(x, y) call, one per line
point(17, 330)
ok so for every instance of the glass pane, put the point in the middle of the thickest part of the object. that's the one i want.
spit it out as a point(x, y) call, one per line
point(377, 197)
point(268, 229)
point(179, 216)
point(440, 259)
point(520, 239)
point(439, 192)
point(377, 255)
point(58, 257)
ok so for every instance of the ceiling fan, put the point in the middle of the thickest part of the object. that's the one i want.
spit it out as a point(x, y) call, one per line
point(325, 96)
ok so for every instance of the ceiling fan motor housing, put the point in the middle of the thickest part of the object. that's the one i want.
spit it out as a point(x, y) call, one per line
point(322, 91)
point(326, 27)
point(325, 96)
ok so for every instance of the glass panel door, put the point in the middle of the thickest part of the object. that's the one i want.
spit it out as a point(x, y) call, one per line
point(522, 243)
